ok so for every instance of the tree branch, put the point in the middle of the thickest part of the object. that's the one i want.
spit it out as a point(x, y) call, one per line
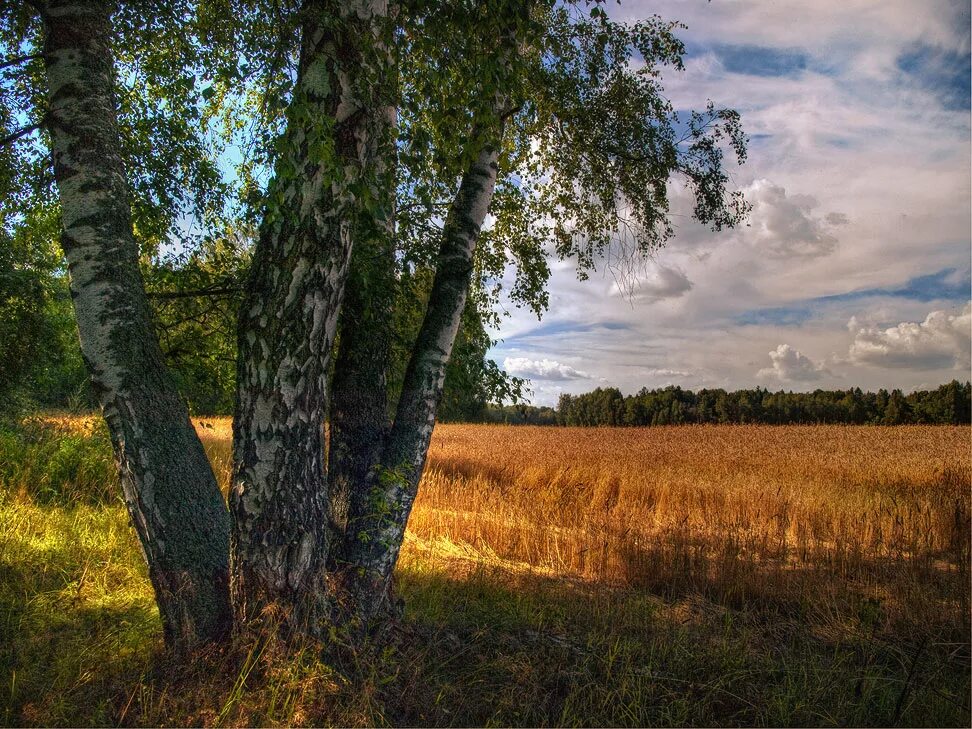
point(23, 132)
point(190, 293)
point(20, 59)
point(38, 6)
point(509, 112)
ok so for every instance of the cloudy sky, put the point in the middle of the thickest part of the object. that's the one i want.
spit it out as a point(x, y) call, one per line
point(854, 269)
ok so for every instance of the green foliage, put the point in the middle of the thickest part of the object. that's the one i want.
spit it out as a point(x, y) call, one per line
point(592, 146)
point(22, 320)
point(177, 191)
point(519, 414)
point(169, 153)
point(205, 89)
point(53, 464)
point(950, 404)
point(39, 357)
point(195, 298)
point(473, 381)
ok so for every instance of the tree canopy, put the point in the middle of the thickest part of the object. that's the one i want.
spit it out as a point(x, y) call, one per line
point(203, 88)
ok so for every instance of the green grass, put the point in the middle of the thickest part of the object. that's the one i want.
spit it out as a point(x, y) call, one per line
point(77, 618)
point(80, 641)
point(58, 461)
point(533, 651)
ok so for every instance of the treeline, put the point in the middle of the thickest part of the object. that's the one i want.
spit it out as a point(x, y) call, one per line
point(946, 405)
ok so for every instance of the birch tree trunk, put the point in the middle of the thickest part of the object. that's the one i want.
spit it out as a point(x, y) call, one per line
point(171, 494)
point(376, 531)
point(287, 323)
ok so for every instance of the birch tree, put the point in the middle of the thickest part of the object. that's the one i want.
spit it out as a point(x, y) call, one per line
point(552, 129)
point(327, 173)
point(171, 494)
point(531, 111)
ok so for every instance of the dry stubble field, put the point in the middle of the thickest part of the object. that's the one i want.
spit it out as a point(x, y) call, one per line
point(685, 575)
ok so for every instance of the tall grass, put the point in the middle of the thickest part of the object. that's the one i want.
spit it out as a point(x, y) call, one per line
point(790, 514)
point(671, 576)
point(58, 460)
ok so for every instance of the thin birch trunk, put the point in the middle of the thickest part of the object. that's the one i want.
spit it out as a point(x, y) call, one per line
point(375, 537)
point(359, 419)
point(171, 494)
point(288, 319)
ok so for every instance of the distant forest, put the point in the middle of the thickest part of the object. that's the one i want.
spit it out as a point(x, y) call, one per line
point(947, 405)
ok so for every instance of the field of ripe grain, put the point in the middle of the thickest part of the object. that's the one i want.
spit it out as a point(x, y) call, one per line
point(727, 575)
point(741, 512)
point(820, 521)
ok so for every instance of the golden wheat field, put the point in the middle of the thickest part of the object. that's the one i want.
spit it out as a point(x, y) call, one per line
point(711, 575)
point(741, 511)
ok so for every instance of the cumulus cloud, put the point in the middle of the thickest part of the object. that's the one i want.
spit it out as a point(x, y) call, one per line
point(836, 120)
point(784, 225)
point(542, 369)
point(942, 340)
point(791, 365)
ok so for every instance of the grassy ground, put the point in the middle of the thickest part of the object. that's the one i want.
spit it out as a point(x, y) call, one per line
point(690, 576)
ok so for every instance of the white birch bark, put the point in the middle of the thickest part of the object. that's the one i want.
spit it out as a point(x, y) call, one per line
point(289, 315)
point(169, 488)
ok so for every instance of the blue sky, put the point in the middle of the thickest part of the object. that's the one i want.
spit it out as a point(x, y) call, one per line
point(854, 268)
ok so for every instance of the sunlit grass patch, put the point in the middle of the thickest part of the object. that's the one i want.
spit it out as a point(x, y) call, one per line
point(77, 616)
point(58, 460)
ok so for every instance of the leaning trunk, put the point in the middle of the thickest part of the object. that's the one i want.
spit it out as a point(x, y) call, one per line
point(374, 542)
point(171, 494)
point(289, 314)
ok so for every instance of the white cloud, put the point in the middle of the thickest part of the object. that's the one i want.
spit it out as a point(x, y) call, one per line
point(664, 372)
point(784, 225)
point(845, 201)
point(542, 369)
point(791, 365)
point(827, 28)
point(942, 340)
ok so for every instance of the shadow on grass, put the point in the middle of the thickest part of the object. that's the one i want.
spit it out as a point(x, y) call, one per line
point(491, 648)
point(67, 648)
point(480, 645)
